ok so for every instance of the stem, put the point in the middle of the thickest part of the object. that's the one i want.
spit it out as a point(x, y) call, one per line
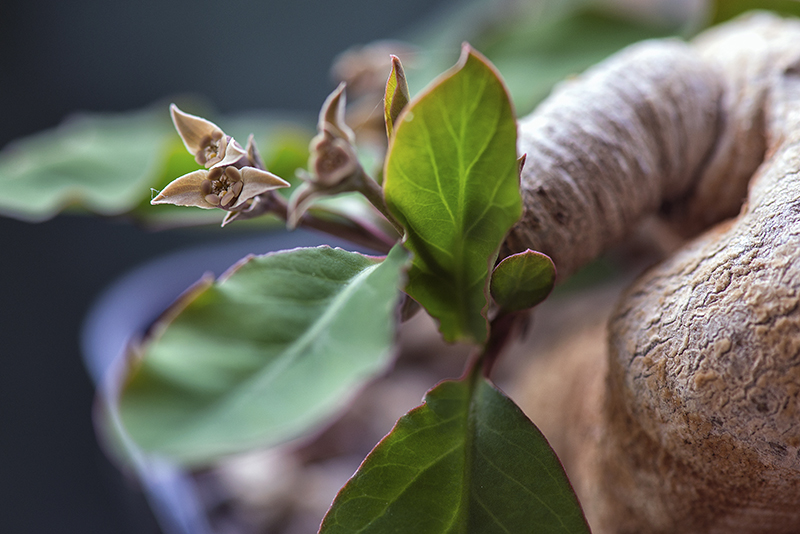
point(368, 187)
point(500, 332)
point(347, 228)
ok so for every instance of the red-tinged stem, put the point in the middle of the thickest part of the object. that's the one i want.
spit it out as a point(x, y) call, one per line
point(346, 228)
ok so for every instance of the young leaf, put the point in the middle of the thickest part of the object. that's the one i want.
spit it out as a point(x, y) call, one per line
point(397, 95)
point(523, 280)
point(102, 162)
point(467, 460)
point(451, 180)
point(272, 349)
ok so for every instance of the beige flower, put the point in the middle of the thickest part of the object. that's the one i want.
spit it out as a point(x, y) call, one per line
point(333, 157)
point(203, 138)
point(232, 177)
point(220, 187)
point(333, 163)
point(333, 160)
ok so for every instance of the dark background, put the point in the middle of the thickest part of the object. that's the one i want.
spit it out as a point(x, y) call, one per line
point(96, 55)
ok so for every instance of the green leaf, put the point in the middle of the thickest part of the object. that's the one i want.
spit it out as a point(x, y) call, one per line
point(467, 460)
point(104, 163)
point(523, 280)
point(397, 95)
point(275, 347)
point(451, 180)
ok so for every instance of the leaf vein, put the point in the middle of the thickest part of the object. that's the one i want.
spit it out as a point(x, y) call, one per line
point(527, 490)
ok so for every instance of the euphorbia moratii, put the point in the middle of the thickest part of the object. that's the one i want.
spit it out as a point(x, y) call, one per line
point(233, 175)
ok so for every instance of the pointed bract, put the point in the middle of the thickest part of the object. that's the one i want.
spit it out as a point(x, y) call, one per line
point(257, 182)
point(185, 191)
point(333, 158)
point(306, 193)
point(331, 116)
point(252, 153)
point(521, 163)
point(396, 96)
point(201, 137)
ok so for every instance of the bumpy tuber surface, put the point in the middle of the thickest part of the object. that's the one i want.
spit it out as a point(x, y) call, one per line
point(612, 146)
point(691, 423)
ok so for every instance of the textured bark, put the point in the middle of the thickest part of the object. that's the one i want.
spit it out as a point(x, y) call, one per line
point(693, 422)
point(748, 56)
point(612, 146)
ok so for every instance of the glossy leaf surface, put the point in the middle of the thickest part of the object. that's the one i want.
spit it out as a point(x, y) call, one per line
point(451, 180)
point(269, 351)
point(523, 280)
point(466, 461)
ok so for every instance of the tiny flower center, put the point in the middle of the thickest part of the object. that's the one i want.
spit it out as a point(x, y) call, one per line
point(222, 187)
point(212, 149)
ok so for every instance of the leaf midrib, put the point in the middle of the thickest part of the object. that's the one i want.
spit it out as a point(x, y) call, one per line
point(281, 362)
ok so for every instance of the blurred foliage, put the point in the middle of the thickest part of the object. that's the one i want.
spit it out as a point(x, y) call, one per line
point(727, 9)
point(103, 163)
point(108, 164)
point(533, 44)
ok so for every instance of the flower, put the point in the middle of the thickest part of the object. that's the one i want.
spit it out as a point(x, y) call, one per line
point(332, 161)
point(202, 138)
point(333, 156)
point(232, 177)
point(221, 187)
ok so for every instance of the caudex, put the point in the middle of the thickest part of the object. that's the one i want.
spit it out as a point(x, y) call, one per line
point(691, 423)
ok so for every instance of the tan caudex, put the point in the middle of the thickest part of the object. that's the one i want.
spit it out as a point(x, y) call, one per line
point(690, 421)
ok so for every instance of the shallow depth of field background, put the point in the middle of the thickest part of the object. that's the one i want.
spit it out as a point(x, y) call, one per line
point(61, 57)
